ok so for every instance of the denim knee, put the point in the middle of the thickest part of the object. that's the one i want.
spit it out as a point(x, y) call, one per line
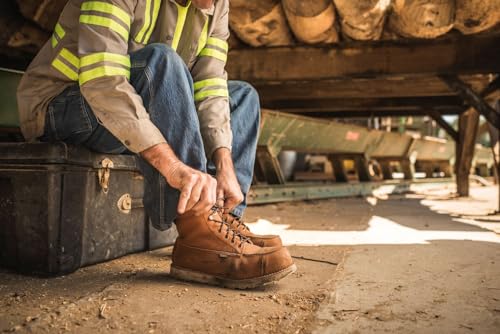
point(163, 53)
point(242, 92)
point(160, 58)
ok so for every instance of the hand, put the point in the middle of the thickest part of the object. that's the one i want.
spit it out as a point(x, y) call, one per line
point(228, 187)
point(198, 190)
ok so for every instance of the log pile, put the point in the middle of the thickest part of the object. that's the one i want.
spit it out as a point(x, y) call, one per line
point(422, 18)
point(362, 20)
point(260, 22)
point(312, 21)
point(322, 21)
point(473, 16)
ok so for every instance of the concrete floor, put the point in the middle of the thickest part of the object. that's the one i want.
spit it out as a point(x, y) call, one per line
point(415, 263)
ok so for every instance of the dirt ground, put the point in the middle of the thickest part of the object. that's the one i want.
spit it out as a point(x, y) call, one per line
point(374, 264)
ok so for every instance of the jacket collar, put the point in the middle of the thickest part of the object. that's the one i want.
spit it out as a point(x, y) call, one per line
point(209, 11)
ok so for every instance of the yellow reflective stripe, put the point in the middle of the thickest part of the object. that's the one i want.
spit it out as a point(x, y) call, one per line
point(105, 56)
point(202, 41)
point(181, 19)
point(59, 31)
point(70, 58)
point(103, 71)
point(208, 93)
point(107, 8)
point(220, 43)
point(147, 21)
point(156, 10)
point(210, 82)
point(54, 41)
point(65, 69)
point(105, 22)
point(214, 53)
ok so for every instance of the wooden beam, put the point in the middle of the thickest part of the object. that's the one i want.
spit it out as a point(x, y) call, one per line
point(443, 124)
point(424, 86)
point(326, 113)
point(452, 55)
point(467, 131)
point(495, 150)
point(474, 99)
point(359, 104)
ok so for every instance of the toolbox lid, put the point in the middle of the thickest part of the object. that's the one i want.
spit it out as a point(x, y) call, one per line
point(61, 153)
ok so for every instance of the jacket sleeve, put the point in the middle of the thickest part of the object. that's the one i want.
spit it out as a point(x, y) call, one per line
point(210, 86)
point(104, 28)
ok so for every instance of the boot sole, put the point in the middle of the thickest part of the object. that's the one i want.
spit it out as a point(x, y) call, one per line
point(250, 283)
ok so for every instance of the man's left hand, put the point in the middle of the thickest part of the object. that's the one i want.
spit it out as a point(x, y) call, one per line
point(228, 187)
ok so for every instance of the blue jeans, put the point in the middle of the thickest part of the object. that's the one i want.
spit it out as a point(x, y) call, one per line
point(165, 84)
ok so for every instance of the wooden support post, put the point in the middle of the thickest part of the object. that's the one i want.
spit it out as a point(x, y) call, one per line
point(467, 131)
point(495, 147)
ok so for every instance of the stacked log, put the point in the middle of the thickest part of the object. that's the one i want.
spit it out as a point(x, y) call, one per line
point(473, 16)
point(422, 18)
point(312, 21)
point(260, 22)
point(363, 20)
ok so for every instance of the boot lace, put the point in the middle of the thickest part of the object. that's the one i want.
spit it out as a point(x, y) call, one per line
point(230, 232)
point(239, 223)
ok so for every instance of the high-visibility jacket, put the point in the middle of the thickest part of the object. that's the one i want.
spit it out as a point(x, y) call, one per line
point(90, 46)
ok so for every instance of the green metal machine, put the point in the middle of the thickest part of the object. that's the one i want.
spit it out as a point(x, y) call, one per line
point(9, 79)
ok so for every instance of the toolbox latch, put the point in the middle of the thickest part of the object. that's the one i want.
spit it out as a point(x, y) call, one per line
point(104, 173)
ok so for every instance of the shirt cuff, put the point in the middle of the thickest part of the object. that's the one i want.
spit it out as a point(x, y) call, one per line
point(216, 138)
point(143, 136)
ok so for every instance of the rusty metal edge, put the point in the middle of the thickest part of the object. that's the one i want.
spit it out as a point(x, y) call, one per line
point(265, 194)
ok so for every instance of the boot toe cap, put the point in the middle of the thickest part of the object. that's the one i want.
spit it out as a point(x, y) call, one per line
point(276, 260)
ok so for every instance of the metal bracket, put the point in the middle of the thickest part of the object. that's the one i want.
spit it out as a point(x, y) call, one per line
point(104, 173)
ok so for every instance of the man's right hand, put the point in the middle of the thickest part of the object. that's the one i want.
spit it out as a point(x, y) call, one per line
point(198, 189)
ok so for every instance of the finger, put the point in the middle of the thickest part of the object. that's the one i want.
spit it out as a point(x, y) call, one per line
point(207, 197)
point(184, 197)
point(195, 196)
point(234, 200)
point(220, 201)
point(204, 204)
point(231, 203)
point(213, 190)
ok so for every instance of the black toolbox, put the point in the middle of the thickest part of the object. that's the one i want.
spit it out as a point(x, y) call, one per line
point(63, 207)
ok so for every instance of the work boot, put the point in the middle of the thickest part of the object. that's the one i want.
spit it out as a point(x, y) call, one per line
point(238, 225)
point(209, 251)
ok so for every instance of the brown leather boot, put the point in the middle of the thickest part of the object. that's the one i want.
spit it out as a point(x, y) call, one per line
point(209, 251)
point(237, 224)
